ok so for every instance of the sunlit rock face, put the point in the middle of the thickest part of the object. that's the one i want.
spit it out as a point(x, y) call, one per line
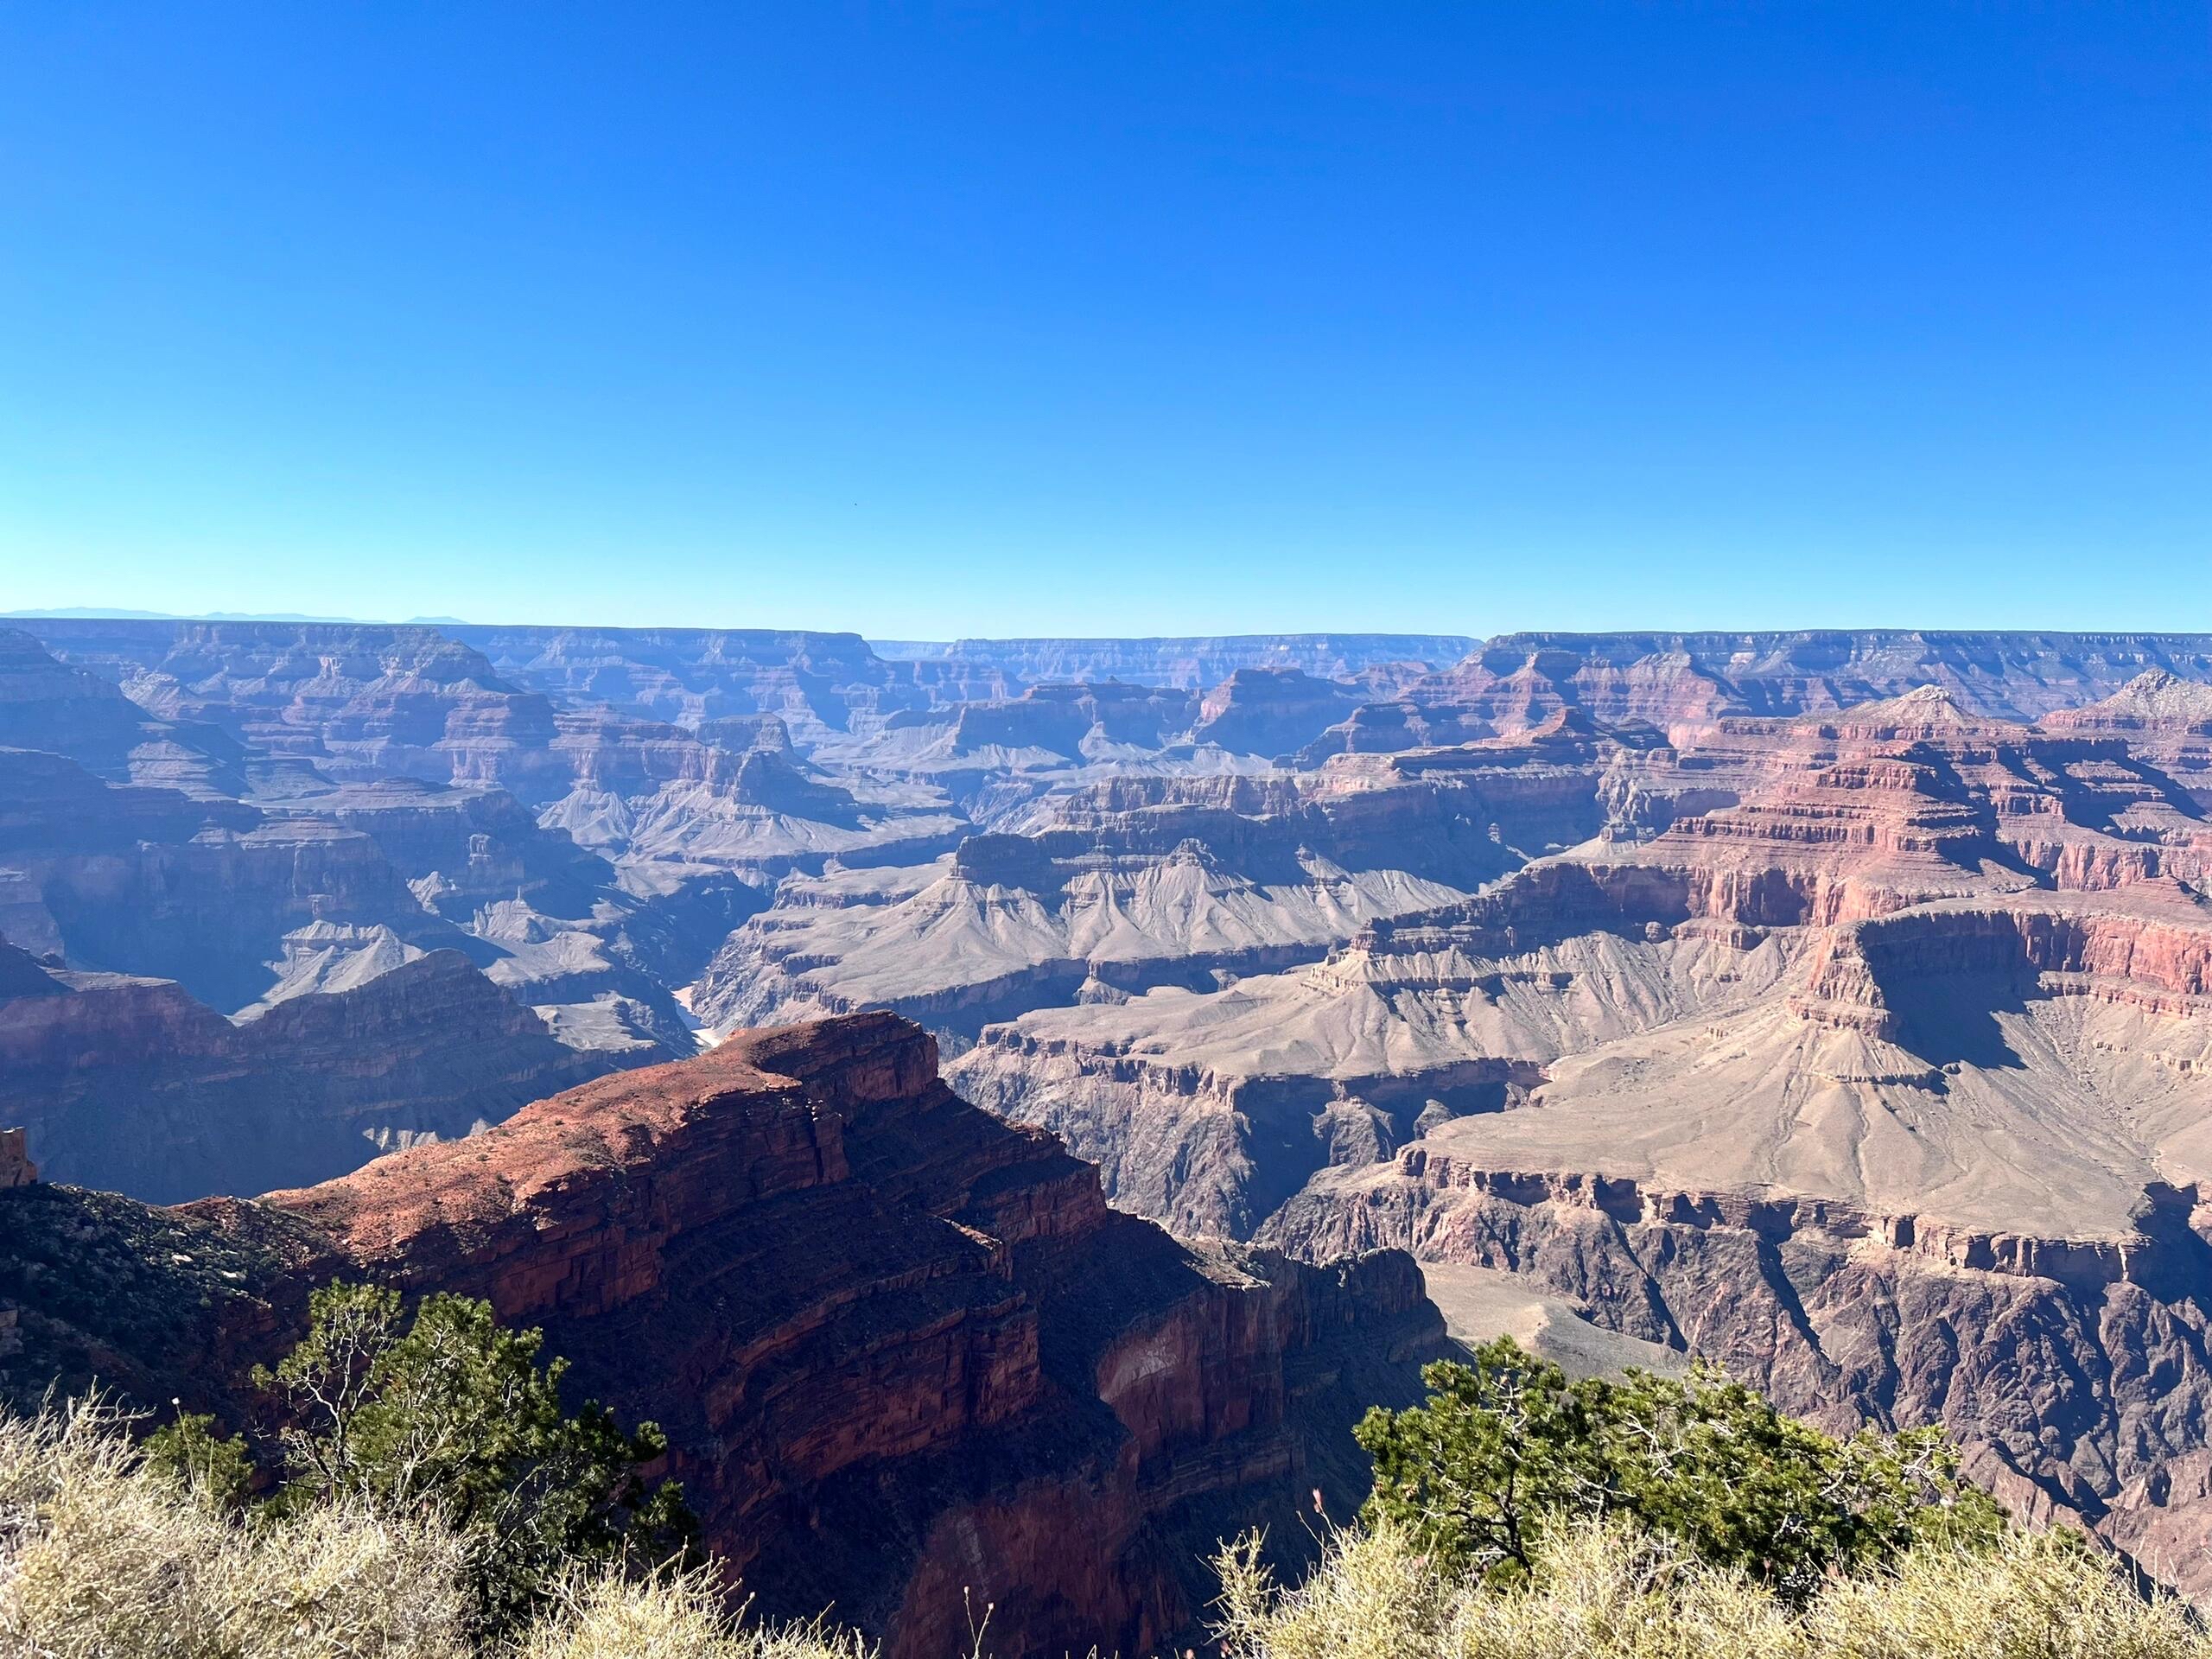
point(1869, 1052)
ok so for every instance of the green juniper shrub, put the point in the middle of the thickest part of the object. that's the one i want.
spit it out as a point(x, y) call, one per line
point(1510, 1446)
point(218, 1471)
point(447, 1415)
point(453, 1412)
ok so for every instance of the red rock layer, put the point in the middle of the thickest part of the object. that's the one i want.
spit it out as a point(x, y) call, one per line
point(902, 1349)
point(132, 1085)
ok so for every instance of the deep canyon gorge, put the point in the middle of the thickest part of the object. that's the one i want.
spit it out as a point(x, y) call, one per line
point(1002, 1087)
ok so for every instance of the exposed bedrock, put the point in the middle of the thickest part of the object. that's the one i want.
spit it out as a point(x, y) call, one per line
point(1877, 974)
point(1681, 682)
point(2075, 1371)
point(350, 701)
point(315, 703)
point(461, 849)
point(690, 676)
point(69, 710)
point(132, 1084)
point(1896, 842)
point(1190, 663)
point(1134, 883)
point(209, 892)
point(906, 1356)
point(1870, 1056)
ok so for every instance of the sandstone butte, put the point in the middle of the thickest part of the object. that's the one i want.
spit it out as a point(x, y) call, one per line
point(908, 1360)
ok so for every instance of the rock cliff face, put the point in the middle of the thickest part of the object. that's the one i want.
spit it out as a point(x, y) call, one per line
point(1846, 883)
point(904, 1352)
point(1710, 979)
point(1867, 1051)
point(47, 705)
point(682, 677)
point(1681, 682)
point(311, 705)
point(211, 891)
point(1115, 887)
point(1192, 665)
point(16, 1166)
point(2073, 1371)
point(1271, 710)
point(2165, 720)
point(341, 702)
point(132, 1084)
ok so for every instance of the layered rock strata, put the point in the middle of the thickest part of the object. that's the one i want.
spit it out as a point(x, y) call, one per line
point(1867, 1052)
point(1119, 887)
point(130, 1084)
point(1681, 682)
point(908, 1360)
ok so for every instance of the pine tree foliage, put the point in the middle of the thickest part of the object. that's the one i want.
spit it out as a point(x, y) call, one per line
point(1510, 1446)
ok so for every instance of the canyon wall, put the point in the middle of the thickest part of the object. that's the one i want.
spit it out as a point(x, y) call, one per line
point(906, 1355)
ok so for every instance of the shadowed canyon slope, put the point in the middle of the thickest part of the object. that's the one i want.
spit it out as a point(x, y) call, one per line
point(903, 1352)
point(266, 810)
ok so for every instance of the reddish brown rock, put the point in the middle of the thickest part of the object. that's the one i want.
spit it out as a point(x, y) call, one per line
point(130, 1084)
point(16, 1166)
point(905, 1353)
point(1682, 683)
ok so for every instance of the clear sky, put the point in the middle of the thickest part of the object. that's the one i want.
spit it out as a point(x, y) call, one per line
point(1116, 317)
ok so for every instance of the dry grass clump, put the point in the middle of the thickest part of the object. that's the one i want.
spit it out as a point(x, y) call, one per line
point(1601, 1591)
point(671, 1617)
point(101, 1557)
point(2035, 1599)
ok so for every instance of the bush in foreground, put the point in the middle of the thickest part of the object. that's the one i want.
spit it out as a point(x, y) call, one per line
point(449, 1413)
point(105, 1554)
point(1508, 1447)
point(1605, 1589)
point(103, 1557)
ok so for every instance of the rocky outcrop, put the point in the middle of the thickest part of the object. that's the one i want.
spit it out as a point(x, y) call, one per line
point(814, 683)
point(1855, 902)
point(354, 703)
point(907, 1356)
point(2162, 719)
point(1108, 889)
point(1867, 1053)
point(246, 905)
point(1735, 942)
point(16, 1166)
point(1051, 729)
point(341, 702)
point(214, 893)
point(132, 1084)
point(460, 850)
point(2075, 1372)
point(1271, 710)
point(1681, 682)
point(69, 711)
point(1132, 884)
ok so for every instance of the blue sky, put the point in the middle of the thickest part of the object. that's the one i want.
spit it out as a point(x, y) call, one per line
point(1111, 319)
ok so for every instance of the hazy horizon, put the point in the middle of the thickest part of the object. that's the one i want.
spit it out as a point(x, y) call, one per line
point(879, 643)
